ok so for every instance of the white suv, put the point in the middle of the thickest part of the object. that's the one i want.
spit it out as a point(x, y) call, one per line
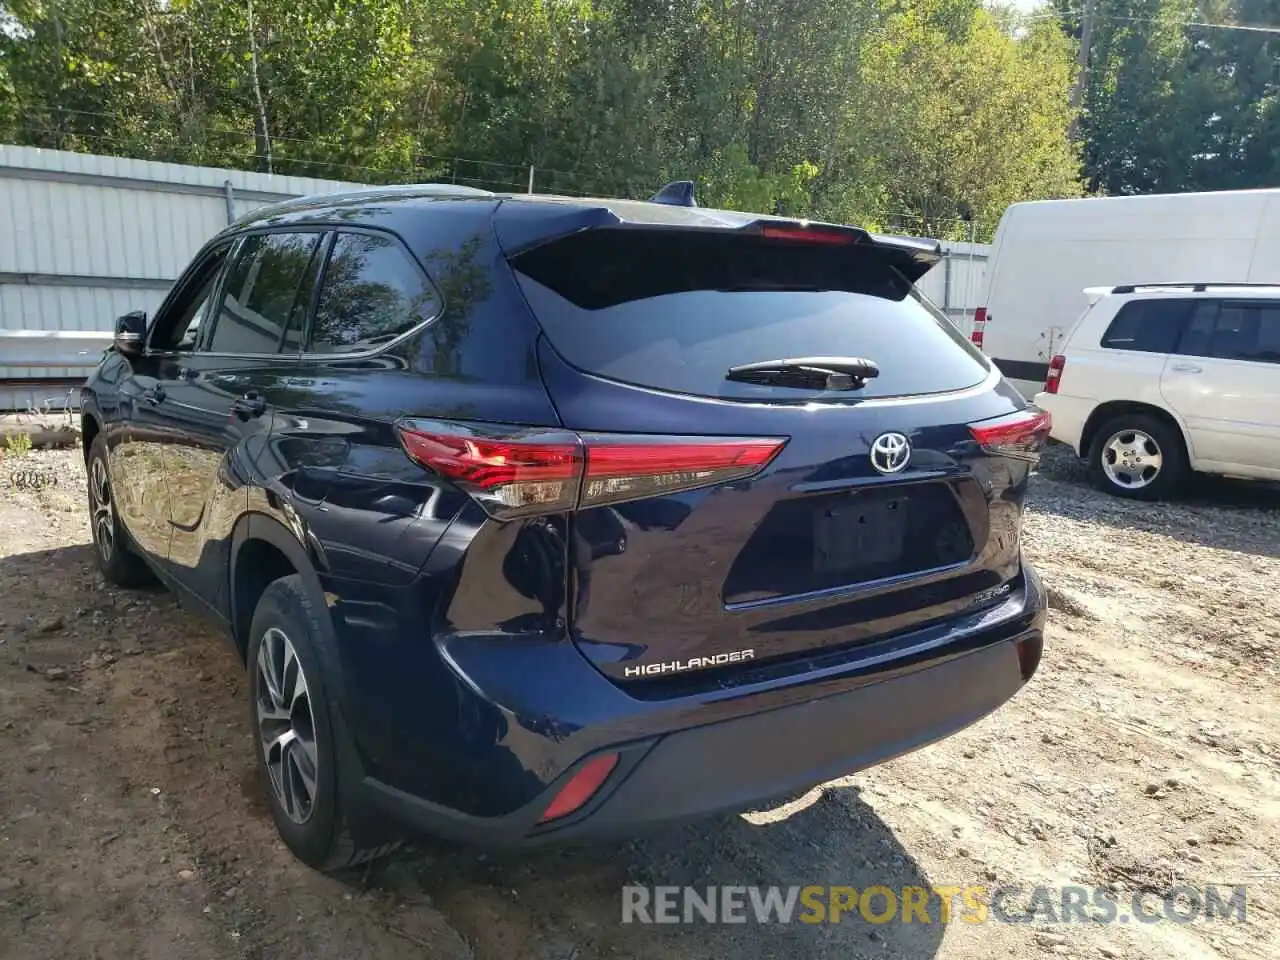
point(1158, 380)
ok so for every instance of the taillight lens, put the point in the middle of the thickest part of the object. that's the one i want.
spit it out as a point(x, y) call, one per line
point(1054, 376)
point(620, 467)
point(518, 471)
point(1021, 435)
point(979, 326)
point(510, 472)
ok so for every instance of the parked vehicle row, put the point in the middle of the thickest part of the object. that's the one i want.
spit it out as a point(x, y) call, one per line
point(1149, 327)
point(1155, 381)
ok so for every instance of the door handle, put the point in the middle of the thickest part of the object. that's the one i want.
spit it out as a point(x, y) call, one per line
point(1186, 368)
point(154, 395)
point(249, 406)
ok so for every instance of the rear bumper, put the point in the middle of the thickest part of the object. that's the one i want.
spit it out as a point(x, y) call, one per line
point(1070, 414)
point(730, 765)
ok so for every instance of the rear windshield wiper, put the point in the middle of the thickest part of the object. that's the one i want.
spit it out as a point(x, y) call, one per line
point(829, 373)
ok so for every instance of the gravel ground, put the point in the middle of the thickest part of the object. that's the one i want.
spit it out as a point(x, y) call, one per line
point(1144, 756)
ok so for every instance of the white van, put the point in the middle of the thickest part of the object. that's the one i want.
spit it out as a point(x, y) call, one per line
point(1047, 252)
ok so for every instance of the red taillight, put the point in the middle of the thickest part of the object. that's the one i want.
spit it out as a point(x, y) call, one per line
point(1020, 434)
point(979, 325)
point(513, 472)
point(582, 786)
point(808, 234)
point(626, 468)
point(1054, 376)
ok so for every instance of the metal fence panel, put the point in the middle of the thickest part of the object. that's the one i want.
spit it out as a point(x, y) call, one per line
point(85, 238)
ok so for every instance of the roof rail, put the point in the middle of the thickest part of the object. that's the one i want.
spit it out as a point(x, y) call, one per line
point(1196, 286)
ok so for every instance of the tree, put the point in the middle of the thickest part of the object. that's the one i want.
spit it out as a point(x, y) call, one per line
point(1170, 106)
point(908, 114)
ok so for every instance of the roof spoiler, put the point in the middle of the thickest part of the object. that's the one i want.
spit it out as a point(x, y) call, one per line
point(522, 229)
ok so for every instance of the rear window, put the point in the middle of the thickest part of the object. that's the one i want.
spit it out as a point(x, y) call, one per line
point(1148, 326)
point(675, 310)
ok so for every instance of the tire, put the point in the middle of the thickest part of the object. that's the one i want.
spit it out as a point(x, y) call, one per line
point(112, 549)
point(1139, 457)
point(296, 747)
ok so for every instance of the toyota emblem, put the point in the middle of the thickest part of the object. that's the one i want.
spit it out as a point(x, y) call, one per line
point(890, 452)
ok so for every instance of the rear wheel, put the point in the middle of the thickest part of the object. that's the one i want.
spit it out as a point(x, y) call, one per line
point(294, 732)
point(1139, 457)
point(112, 550)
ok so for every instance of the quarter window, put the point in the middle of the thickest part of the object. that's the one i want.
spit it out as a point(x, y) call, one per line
point(265, 297)
point(1148, 326)
point(179, 327)
point(372, 292)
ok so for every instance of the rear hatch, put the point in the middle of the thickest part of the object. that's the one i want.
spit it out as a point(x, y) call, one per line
point(885, 507)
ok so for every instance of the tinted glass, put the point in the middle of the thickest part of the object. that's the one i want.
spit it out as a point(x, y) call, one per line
point(264, 300)
point(178, 328)
point(1150, 326)
point(1195, 340)
point(1247, 331)
point(675, 311)
point(371, 293)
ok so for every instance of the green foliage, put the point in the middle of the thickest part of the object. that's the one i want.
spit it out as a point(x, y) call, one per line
point(1173, 107)
point(910, 115)
point(18, 444)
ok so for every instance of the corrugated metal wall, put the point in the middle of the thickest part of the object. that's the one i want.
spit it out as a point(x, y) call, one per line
point(957, 284)
point(85, 238)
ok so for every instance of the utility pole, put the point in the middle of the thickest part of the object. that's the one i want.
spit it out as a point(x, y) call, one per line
point(1082, 68)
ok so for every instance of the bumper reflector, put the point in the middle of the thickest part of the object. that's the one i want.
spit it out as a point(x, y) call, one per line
point(1030, 649)
point(582, 786)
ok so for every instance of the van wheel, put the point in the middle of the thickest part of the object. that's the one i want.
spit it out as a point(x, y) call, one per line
point(294, 734)
point(1139, 457)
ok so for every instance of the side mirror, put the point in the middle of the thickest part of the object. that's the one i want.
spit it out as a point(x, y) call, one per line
point(131, 333)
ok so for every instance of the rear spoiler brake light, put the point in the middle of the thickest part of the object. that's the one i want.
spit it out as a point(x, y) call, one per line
point(520, 231)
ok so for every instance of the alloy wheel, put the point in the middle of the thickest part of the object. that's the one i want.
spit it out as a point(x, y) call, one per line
point(1132, 459)
point(102, 509)
point(286, 726)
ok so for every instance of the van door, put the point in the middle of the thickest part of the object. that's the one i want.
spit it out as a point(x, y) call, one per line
point(1223, 383)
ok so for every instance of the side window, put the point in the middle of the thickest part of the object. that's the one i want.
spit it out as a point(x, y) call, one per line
point(180, 328)
point(371, 293)
point(1195, 341)
point(1149, 326)
point(1247, 331)
point(265, 296)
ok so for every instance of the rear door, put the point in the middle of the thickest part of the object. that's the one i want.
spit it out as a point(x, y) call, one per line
point(334, 456)
point(882, 513)
point(1224, 381)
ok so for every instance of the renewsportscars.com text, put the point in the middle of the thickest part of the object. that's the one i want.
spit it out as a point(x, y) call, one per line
point(815, 904)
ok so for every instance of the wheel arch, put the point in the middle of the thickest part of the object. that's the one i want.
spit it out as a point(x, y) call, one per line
point(1117, 408)
point(262, 551)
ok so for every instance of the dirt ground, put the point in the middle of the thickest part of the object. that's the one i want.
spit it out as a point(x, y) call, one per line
point(1145, 755)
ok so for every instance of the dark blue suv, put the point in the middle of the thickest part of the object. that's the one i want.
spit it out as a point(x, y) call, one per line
point(540, 519)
